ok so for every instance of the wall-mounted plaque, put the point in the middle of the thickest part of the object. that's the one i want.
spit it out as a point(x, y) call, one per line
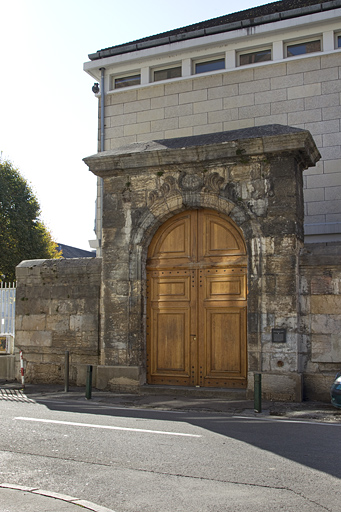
point(3, 347)
point(279, 335)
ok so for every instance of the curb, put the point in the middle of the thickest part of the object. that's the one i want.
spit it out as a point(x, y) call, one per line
point(62, 497)
point(310, 410)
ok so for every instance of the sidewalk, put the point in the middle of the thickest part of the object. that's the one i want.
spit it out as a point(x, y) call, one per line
point(178, 399)
point(14, 498)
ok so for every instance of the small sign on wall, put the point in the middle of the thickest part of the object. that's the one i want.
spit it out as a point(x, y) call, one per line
point(279, 335)
point(3, 344)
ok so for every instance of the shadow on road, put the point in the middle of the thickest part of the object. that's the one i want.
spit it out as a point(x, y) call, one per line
point(302, 442)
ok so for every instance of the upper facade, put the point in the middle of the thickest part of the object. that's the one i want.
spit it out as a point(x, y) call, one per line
point(278, 63)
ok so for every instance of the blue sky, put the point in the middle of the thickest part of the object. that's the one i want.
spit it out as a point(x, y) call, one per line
point(48, 113)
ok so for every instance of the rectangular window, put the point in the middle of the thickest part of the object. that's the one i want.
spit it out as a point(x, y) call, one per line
point(305, 47)
point(167, 74)
point(210, 65)
point(338, 41)
point(254, 57)
point(127, 81)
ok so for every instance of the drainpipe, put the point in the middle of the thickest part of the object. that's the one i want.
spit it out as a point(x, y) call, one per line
point(102, 70)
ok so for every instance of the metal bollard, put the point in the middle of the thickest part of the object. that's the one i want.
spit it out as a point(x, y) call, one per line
point(88, 382)
point(66, 377)
point(258, 392)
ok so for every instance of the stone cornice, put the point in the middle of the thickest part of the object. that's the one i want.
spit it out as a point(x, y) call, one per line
point(236, 146)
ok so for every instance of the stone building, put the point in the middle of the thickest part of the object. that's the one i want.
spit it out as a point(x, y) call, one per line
point(218, 214)
point(276, 63)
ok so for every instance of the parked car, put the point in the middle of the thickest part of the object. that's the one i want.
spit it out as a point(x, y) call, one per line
point(335, 391)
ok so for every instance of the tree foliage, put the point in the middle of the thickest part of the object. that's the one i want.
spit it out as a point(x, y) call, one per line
point(22, 235)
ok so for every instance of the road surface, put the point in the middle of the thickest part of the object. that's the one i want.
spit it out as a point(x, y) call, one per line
point(132, 460)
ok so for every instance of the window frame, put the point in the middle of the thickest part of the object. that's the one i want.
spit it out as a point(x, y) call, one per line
point(252, 51)
point(337, 38)
point(129, 74)
point(177, 65)
point(203, 60)
point(297, 42)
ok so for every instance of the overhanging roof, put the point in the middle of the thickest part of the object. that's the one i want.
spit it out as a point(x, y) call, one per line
point(268, 13)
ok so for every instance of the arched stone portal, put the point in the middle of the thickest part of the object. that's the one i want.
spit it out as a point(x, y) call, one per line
point(247, 186)
point(251, 178)
point(196, 302)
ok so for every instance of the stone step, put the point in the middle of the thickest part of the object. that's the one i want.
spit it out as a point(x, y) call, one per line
point(199, 392)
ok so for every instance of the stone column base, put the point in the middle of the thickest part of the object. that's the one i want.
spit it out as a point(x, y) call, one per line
point(284, 387)
point(118, 378)
point(317, 385)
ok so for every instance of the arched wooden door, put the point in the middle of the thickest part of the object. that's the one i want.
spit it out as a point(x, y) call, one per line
point(196, 302)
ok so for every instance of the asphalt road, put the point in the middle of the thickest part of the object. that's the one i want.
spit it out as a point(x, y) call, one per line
point(133, 460)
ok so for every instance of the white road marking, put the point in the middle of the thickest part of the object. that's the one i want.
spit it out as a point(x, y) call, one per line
point(108, 427)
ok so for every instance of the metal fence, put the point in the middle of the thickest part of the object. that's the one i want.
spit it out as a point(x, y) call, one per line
point(7, 308)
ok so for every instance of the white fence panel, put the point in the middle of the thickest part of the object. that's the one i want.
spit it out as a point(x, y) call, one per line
point(7, 308)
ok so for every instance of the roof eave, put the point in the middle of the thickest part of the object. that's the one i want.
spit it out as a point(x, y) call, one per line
point(182, 35)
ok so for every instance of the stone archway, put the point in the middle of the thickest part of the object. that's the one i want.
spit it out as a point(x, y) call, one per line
point(197, 297)
point(254, 178)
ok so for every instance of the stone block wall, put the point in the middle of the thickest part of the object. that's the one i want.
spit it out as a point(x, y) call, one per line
point(57, 309)
point(302, 93)
point(320, 295)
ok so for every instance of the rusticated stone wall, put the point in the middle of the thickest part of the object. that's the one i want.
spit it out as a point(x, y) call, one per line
point(57, 309)
point(320, 295)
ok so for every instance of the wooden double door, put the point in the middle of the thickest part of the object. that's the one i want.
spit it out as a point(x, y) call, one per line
point(196, 302)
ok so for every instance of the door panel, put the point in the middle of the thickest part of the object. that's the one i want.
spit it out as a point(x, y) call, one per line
point(171, 327)
point(169, 319)
point(219, 239)
point(174, 244)
point(170, 286)
point(196, 302)
point(224, 344)
point(170, 359)
point(224, 284)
